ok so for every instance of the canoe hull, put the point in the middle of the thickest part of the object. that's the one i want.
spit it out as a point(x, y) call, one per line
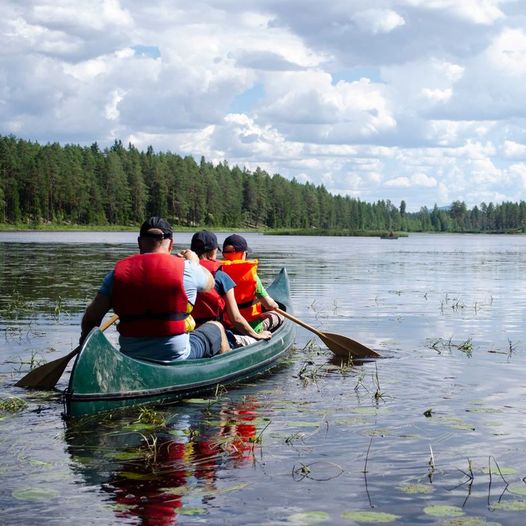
point(104, 379)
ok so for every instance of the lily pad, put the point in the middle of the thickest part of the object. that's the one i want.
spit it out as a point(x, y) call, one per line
point(125, 455)
point(519, 490)
point(130, 475)
point(443, 510)
point(309, 517)
point(303, 423)
point(470, 521)
point(351, 421)
point(369, 517)
point(139, 426)
point(229, 489)
point(504, 470)
point(191, 511)
point(510, 505)
point(12, 404)
point(368, 410)
point(35, 494)
point(416, 488)
point(456, 423)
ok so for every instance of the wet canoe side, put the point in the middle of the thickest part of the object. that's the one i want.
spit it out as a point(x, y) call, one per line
point(104, 379)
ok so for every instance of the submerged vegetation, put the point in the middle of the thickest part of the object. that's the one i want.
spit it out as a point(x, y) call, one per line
point(52, 185)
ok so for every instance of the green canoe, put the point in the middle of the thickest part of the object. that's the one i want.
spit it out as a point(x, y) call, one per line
point(104, 379)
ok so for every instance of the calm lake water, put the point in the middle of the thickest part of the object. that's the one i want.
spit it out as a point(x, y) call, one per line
point(432, 433)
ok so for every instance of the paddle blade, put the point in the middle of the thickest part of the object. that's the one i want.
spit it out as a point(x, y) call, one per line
point(46, 376)
point(345, 346)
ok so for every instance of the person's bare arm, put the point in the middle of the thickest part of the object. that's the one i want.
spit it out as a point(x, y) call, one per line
point(190, 255)
point(239, 321)
point(94, 313)
point(268, 303)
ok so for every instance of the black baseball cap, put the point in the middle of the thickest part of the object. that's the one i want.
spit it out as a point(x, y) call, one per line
point(238, 242)
point(203, 241)
point(157, 228)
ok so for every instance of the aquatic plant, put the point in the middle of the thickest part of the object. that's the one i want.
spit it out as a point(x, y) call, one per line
point(149, 416)
point(443, 510)
point(305, 518)
point(301, 471)
point(151, 452)
point(12, 404)
point(440, 345)
point(466, 347)
point(16, 305)
point(375, 517)
point(378, 392)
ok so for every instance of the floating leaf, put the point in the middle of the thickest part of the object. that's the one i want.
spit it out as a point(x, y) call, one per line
point(416, 488)
point(40, 464)
point(351, 421)
point(303, 423)
point(369, 516)
point(191, 511)
point(12, 404)
point(139, 426)
point(443, 510)
point(125, 455)
point(229, 489)
point(35, 494)
point(510, 505)
point(500, 470)
point(309, 517)
point(456, 423)
point(485, 410)
point(519, 490)
point(378, 432)
point(130, 475)
point(369, 410)
point(469, 521)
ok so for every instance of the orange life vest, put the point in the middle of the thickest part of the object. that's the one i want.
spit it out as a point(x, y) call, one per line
point(243, 273)
point(208, 305)
point(149, 296)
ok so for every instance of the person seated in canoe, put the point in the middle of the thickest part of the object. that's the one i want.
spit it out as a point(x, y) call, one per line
point(153, 293)
point(253, 301)
point(213, 304)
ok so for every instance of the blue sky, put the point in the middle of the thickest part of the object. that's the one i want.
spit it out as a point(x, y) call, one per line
point(421, 100)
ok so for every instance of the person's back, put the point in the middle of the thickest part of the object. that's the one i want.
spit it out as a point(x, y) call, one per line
point(220, 303)
point(153, 293)
point(254, 302)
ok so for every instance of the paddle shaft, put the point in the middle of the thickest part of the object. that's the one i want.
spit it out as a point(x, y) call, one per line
point(300, 322)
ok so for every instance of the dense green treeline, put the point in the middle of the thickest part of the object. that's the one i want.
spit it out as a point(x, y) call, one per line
point(121, 186)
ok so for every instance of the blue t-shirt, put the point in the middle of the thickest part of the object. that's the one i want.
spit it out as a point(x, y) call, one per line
point(223, 282)
point(162, 348)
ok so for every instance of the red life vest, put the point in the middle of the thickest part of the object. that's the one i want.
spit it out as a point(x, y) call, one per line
point(149, 296)
point(208, 305)
point(243, 273)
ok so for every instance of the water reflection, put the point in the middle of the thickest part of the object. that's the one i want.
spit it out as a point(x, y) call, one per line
point(153, 464)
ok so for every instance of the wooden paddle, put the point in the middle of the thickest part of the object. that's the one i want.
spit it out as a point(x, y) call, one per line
point(46, 376)
point(338, 344)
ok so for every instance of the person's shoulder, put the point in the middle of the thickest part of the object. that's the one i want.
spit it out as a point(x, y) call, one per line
point(224, 280)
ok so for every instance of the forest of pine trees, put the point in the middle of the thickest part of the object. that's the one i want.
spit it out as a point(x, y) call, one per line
point(80, 185)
